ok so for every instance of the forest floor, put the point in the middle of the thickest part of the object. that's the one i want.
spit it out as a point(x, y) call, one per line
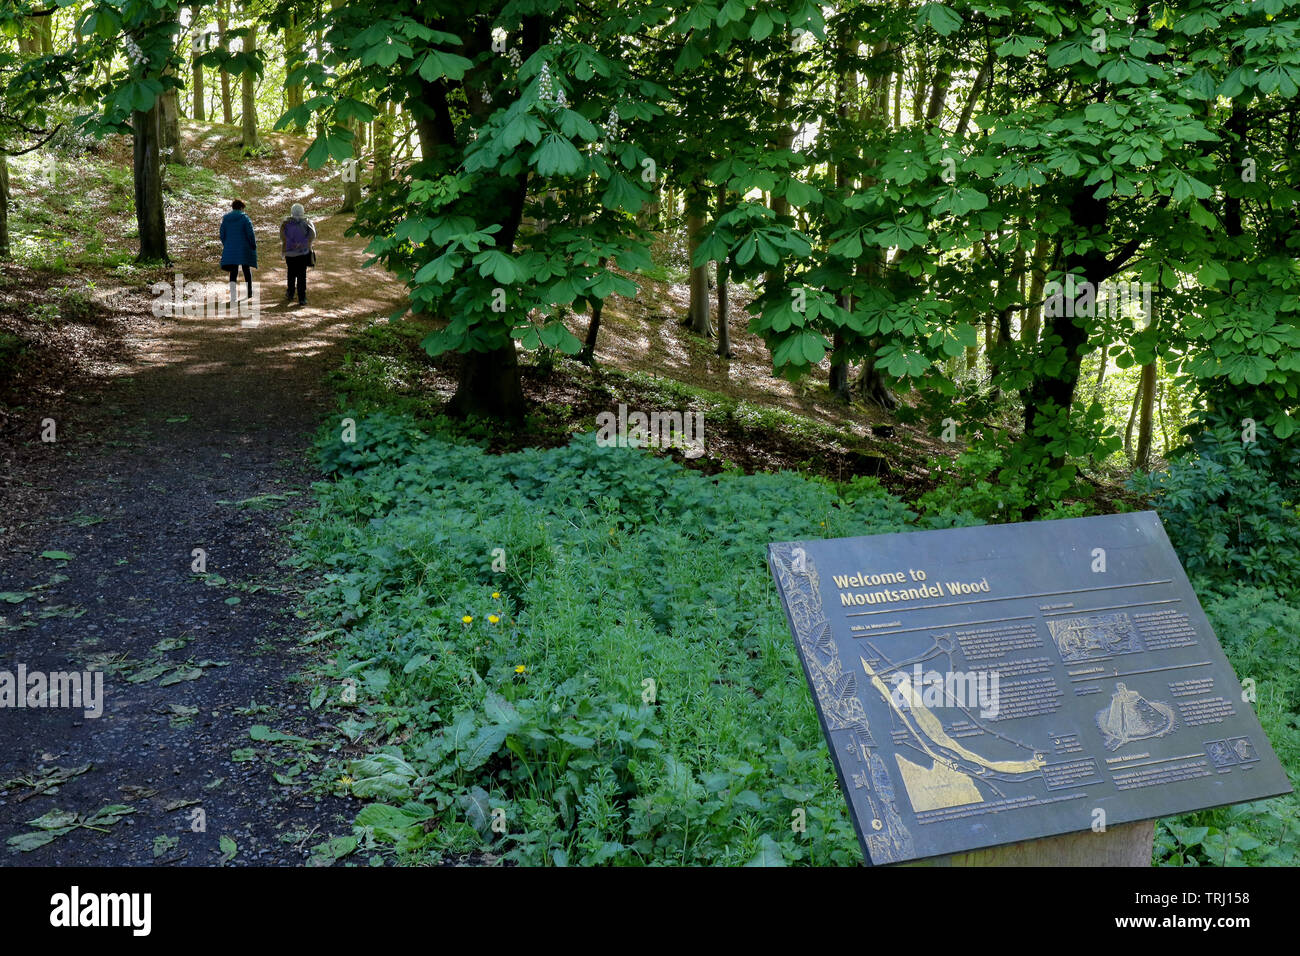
point(177, 433)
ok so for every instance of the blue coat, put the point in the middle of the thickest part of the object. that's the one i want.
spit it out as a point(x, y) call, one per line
point(238, 244)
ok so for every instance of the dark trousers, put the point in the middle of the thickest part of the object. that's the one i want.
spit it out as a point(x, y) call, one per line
point(298, 275)
point(248, 276)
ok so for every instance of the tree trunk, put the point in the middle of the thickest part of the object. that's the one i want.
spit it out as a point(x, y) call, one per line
point(196, 71)
point(223, 28)
point(1132, 415)
point(724, 309)
point(248, 97)
point(1033, 319)
point(320, 54)
point(1101, 373)
point(938, 93)
point(171, 127)
point(148, 184)
point(383, 146)
point(1013, 283)
point(1144, 423)
point(698, 315)
point(724, 293)
point(489, 382)
point(871, 385)
point(489, 386)
point(839, 378)
point(4, 208)
point(293, 39)
point(1050, 394)
point(352, 185)
point(1160, 405)
point(588, 353)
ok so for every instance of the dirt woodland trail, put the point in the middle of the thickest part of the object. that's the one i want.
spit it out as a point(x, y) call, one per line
point(201, 442)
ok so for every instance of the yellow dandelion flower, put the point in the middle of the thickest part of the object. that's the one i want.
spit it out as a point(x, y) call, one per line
point(493, 618)
point(467, 619)
point(497, 595)
point(521, 669)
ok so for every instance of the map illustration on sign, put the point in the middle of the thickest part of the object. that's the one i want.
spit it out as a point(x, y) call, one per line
point(982, 686)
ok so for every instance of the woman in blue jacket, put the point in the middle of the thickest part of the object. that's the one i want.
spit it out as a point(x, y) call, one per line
point(238, 247)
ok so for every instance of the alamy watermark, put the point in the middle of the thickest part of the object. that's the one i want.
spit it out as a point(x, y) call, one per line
point(1116, 300)
point(683, 430)
point(40, 689)
point(207, 300)
point(931, 689)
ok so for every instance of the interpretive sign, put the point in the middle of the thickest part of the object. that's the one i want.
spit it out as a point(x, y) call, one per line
point(981, 686)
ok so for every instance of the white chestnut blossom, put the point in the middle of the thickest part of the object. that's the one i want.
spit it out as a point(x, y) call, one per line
point(549, 90)
point(133, 51)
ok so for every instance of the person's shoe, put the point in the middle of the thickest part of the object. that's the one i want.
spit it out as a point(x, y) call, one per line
point(288, 296)
point(302, 301)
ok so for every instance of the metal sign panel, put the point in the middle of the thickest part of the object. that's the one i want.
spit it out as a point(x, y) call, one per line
point(981, 686)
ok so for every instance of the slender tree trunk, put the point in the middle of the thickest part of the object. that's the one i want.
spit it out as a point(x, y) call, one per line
point(293, 58)
point(1145, 421)
point(698, 314)
point(196, 71)
point(1034, 300)
point(938, 93)
point(148, 184)
point(839, 377)
point(248, 97)
point(1164, 429)
point(977, 87)
point(320, 54)
point(898, 101)
point(1101, 372)
point(1132, 415)
point(4, 208)
point(171, 126)
point(383, 146)
point(784, 140)
point(588, 353)
point(724, 309)
point(352, 184)
point(724, 291)
point(1013, 283)
point(223, 39)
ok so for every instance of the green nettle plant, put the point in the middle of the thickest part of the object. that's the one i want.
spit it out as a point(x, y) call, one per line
point(615, 686)
point(1231, 504)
